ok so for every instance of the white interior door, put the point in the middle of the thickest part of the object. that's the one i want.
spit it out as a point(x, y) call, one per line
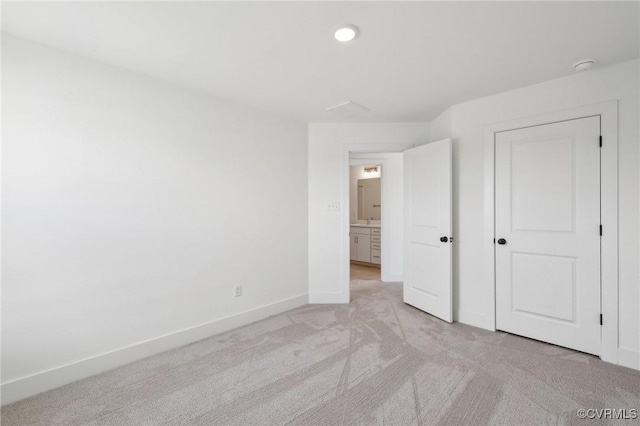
point(548, 233)
point(427, 229)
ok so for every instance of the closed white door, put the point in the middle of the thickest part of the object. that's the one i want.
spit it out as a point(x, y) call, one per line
point(427, 229)
point(548, 233)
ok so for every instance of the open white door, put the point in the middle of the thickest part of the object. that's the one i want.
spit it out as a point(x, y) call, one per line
point(427, 229)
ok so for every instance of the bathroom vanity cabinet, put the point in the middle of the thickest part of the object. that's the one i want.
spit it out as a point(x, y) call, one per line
point(365, 243)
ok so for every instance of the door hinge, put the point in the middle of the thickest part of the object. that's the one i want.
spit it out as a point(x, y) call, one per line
point(494, 241)
point(601, 141)
point(600, 319)
point(601, 230)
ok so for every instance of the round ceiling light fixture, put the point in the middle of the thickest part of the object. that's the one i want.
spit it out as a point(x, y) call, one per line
point(345, 33)
point(584, 65)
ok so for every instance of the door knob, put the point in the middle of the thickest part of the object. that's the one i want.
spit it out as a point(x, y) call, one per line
point(502, 241)
point(444, 239)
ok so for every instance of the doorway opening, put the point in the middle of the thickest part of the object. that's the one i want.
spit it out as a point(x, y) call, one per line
point(365, 222)
point(380, 241)
point(415, 224)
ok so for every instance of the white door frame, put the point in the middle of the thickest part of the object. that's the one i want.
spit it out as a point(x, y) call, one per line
point(608, 113)
point(345, 220)
point(384, 258)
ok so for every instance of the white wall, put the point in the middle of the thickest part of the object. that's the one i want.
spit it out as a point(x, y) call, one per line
point(329, 146)
point(467, 122)
point(131, 208)
point(440, 127)
point(355, 173)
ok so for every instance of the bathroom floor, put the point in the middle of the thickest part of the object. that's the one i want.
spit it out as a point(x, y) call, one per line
point(361, 272)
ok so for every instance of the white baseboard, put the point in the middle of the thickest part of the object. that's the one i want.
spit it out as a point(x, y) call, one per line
point(31, 385)
point(330, 298)
point(628, 358)
point(475, 319)
point(392, 278)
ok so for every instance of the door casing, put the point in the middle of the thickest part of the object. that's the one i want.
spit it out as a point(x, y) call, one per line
point(345, 222)
point(608, 113)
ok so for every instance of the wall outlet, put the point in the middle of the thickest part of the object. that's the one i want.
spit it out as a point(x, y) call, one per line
point(237, 291)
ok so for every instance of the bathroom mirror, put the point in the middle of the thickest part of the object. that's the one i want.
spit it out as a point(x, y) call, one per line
point(369, 199)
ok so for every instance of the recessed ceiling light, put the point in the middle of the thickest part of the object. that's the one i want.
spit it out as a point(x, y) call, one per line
point(345, 33)
point(584, 65)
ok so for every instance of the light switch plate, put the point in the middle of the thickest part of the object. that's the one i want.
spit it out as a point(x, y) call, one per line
point(334, 206)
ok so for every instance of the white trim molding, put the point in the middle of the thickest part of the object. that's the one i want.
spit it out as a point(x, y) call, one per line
point(46, 380)
point(629, 358)
point(608, 113)
point(393, 278)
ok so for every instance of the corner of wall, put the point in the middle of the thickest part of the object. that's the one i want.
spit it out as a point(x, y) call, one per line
point(441, 127)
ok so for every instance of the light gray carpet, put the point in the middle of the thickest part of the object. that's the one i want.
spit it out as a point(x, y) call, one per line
point(374, 361)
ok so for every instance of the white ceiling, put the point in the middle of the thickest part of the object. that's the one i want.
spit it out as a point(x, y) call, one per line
point(411, 61)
